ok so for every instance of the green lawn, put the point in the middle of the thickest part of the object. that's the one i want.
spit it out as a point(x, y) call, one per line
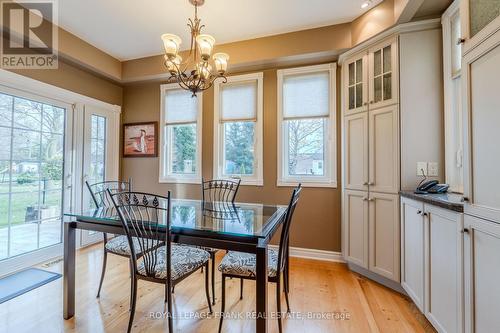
point(20, 201)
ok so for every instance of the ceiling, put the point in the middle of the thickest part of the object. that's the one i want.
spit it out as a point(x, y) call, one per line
point(128, 29)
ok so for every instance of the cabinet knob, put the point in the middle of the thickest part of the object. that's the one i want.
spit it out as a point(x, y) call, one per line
point(365, 104)
point(371, 183)
point(465, 199)
point(425, 214)
point(371, 199)
point(365, 183)
point(419, 212)
point(371, 102)
point(465, 231)
point(460, 41)
point(365, 199)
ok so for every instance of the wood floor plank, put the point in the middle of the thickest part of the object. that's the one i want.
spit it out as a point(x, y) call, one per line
point(315, 287)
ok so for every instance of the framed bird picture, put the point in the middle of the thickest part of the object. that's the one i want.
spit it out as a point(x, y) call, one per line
point(140, 139)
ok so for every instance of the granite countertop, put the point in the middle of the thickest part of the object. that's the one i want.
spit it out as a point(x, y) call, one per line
point(449, 201)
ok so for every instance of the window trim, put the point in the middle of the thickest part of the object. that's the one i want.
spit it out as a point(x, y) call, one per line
point(449, 77)
point(258, 178)
point(330, 164)
point(165, 133)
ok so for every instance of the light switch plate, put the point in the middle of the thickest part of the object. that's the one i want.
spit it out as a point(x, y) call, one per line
point(433, 169)
point(421, 168)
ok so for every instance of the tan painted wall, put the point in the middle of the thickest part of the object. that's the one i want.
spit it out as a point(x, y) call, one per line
point(317, 219)
point(372, 22)
point(73, 78)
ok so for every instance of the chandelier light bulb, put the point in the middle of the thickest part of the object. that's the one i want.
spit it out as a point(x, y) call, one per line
point(220, 61)
point(205, 45)
point(171, 43)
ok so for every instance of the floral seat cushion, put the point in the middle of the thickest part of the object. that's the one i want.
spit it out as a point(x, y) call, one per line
point(244, 264)
point(185, 259)
point(119, 245)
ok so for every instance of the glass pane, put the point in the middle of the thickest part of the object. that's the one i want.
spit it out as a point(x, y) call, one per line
point(23, 238)
point(101, 129)
point(351, 97)
point(359, 95)
point(183, 147)
point(50, 232)
point(4, 176)
point(387, 86)
point(306, 147)
point(377, 89)
point(53, 119)
point(24, 208)
point(51, 175)
point(239, 148)
point(27, 114)
point(482, 12)
point(456, 48)
point(4, 225)
point(52, 146)
point(6, 109)
point(5, 134)
point(93, 127)
point(51, 203)
point(359, 71)
point(97, 149)
point(387, 59)
point(25, 176)
point(351, 73)
point(377, 63)
point(26, 145)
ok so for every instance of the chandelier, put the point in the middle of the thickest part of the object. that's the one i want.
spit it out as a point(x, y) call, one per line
point(195, 73)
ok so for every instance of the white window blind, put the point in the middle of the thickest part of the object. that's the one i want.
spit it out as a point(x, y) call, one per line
point(239, 101)
point(306, 96)
point(180, 107)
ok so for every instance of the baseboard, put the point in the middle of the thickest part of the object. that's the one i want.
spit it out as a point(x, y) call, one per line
point(396, 286)
point(299, 252)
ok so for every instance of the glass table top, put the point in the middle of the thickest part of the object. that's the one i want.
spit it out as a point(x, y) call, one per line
point(240, 219)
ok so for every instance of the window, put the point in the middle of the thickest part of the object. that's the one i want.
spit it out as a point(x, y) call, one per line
point(307, 126)
point(452, 52)
point(32, 162)
point(180, 155)
point(238, 129)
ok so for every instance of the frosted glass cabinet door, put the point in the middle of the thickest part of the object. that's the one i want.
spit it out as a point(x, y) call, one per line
point(356, 83)
point(481, 13)
point(383, 74)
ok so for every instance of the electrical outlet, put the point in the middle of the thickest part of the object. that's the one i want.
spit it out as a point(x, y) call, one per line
point(421, 168)
point(433, 169)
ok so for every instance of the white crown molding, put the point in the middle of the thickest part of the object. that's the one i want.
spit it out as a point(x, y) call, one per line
point(314, 254)
point(398, 29)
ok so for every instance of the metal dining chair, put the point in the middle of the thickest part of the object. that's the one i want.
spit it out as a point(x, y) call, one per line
point(117, 245)
point(143, 216)
point(219, 194)
point(243, 265)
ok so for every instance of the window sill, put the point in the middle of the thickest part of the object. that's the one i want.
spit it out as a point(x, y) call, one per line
point(172, 180)
point(305, 183)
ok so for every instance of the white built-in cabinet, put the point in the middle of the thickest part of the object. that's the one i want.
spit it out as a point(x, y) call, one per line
point(371, 159)
point(481, 106)
point(431, 262)
point(481, 73)
point(481, 275)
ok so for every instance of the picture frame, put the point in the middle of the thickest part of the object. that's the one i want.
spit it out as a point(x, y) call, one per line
point(140, 139)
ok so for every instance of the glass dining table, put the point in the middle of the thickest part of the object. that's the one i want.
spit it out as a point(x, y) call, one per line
point(240, 227)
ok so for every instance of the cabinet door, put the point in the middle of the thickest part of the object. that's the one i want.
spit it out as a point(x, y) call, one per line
point(482, 275)
point(444, 274)
point(356, 151)
point(356, 84)
point(413, 250)
point(383, 74)
point(356, 227)
point(479, 19)
point(384, 150)
point(481, 71)
point(384, 235)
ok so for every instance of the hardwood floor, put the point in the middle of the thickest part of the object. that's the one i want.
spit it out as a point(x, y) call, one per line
point(316, 287)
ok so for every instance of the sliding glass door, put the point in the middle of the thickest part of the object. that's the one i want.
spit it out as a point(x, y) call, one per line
point(35, 139)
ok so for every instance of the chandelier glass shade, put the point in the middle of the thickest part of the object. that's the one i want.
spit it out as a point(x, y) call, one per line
point(196, 72)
